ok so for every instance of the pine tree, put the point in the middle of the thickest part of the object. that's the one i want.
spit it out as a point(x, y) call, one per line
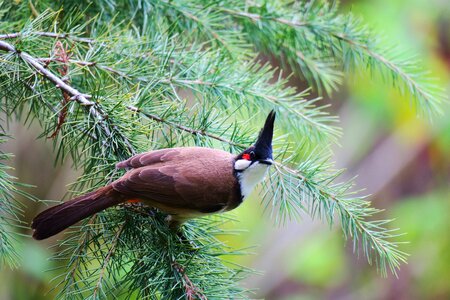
point(113, 78)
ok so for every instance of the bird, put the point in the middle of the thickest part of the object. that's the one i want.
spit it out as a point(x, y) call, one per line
point(183, 182)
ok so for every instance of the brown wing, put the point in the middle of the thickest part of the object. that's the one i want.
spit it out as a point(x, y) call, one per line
point(193, 179)
point(149, 158)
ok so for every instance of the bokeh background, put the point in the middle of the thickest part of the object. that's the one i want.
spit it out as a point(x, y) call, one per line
point(402, 160)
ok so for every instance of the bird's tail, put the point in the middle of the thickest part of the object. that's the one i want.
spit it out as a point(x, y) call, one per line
point(57, 218)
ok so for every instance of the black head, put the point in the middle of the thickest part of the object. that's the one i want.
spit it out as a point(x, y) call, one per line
point(261, 151)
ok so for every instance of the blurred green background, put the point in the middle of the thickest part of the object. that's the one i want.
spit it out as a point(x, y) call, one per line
point(402, 160)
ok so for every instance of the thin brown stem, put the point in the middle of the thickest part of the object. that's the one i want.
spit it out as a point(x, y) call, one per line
point(190, 289)
point(63, 55)
point(79, 252)
point(85, 63)
point(107, 259)
point(208, 28)
point(256, 17)
point(186, 129)
point(48, 34)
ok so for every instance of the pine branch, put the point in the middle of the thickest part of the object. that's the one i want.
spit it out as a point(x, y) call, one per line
point(370, 237)
point(307, 118)
point(425, 95)
point(47, 34)
point(211, 25)
point(350, 42)
point(106, 260)
point(10, 210)
point(74, 93)
point(191, 291)
point(94, 109)
point(294, 50)
point(187, 129)
point(236, 81)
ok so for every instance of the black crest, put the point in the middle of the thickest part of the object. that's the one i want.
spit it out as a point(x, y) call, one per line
point(263, 145)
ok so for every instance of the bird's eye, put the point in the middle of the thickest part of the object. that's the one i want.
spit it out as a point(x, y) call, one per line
point(246, 156)
point(252, 154)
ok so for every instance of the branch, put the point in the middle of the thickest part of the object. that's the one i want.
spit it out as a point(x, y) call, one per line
point(81, 98)
point(59, 83)
point(201, 23)
point(85, 63)
point(269, 98)
point(307, 116)
point(255, 17)
point(48, 34)
point(354, 214)
point(191, 291)
point(185, 128)
point(310, 118)
point(416, 89)
point(407, 78)
point(107, 258)
point(319, 72)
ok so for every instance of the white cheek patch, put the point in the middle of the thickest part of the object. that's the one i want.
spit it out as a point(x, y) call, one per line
point(252, 176)
point(241, 164)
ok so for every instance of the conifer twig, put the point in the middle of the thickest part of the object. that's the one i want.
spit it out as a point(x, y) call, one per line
point(185, 128)
point(255, 17)
point(74, 93)
point(420, 91)
point(191, 291)
point(85, 63)
point(107, 258)
point(59, 83)
point(63, 56)
point(48, 34)
point(270, 98)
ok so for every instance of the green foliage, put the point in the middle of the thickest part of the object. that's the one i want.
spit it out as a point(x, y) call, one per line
point(184, 73)
point(141, 254)
point(10, 210)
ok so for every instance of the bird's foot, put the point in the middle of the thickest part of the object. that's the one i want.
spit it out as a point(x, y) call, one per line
point(176, 227)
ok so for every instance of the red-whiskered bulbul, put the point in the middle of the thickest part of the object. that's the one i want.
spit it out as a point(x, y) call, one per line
point(185, 182)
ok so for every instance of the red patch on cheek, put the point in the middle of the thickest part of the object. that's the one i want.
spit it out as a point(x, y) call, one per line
point(246, 156)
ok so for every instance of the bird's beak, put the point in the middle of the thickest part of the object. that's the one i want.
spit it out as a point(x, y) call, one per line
point(263, 145)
